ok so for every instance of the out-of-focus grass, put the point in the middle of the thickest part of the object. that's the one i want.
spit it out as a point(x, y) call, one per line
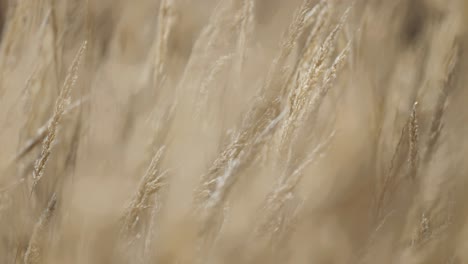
point(233, 131)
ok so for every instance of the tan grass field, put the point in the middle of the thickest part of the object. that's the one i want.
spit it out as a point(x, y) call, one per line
point(233, 131)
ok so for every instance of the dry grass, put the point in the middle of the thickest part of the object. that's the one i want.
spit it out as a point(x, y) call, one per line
point(233, 131)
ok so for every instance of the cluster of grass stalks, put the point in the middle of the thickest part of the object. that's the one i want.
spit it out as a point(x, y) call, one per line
point(233, 131)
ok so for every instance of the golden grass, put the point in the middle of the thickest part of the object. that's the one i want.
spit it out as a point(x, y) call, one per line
point(233, 131)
